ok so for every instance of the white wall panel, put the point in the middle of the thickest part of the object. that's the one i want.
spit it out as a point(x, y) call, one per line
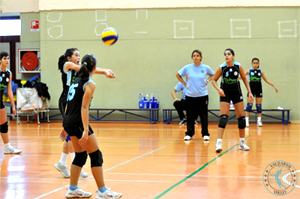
point(19, 6)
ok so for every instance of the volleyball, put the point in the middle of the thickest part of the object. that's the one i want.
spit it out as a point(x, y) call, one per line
point(109, 36)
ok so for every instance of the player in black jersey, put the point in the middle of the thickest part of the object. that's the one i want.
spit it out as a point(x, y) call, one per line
point(68, 64)
point(76, 124)
point(230, 91)
point(5, 83)
point(255, 75)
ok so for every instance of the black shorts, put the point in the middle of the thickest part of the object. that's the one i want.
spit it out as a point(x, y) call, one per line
point(256, 92)
point(76, 129)
point(235, 97)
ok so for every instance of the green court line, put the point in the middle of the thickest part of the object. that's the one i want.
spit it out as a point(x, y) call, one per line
point(195, 172)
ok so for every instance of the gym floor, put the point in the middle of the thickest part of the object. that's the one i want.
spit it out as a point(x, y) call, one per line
point(146, 161)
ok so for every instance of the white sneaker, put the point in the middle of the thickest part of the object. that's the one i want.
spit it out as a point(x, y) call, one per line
point(219, 146)
point(108, 194)
point(11, 150)
point(259, 123)
point(63, 169)
point(206, 138)
point(187, 137)
point(83, 174)
point(243, 146)
point(182, 122)
point(78, 194)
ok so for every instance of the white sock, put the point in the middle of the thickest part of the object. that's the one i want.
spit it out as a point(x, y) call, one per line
point(242, 139)
point(258, 119)
point(72, 156)
point(247, 119)
point(63, 158)
point(219, 140)
point(7, 145)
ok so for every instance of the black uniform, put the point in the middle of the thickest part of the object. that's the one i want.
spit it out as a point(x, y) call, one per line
point(230, 83)
point(255, 82)
point(4, 80)
point(67, 79)
point(72, 122)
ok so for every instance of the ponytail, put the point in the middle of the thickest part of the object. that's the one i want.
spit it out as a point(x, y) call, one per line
point(88, 63)
point(61, 61)
point(83, 73)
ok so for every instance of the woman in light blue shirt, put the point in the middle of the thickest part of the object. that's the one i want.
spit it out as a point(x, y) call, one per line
point(196, 93)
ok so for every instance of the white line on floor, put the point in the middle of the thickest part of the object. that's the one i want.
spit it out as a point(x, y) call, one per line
point(104, 171)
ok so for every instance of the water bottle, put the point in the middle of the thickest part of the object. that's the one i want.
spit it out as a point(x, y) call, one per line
point(141, 96)
point(141, 102)
point(146, 102)
point(154, 103)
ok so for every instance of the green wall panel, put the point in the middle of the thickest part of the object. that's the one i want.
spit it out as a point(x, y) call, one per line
point(154, 44)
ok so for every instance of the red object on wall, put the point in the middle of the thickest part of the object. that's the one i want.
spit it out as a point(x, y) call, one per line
point(35, 25)
point(30, 61)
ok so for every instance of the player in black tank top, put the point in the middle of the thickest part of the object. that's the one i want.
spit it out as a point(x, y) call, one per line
point(230, 91)
point(67, 78)
point(255, 75)
point(74, 101)
point(68, 64)
point(230, 83)
point(5, 77)
point(5, 83)
point(76, 124)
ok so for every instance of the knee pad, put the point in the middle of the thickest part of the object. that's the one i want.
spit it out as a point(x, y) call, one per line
point(4, 128)
point(258, 108)
point(249, 107)
point(223, 121)
point(80, 159)
point(241, 122)
point(96, 158)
